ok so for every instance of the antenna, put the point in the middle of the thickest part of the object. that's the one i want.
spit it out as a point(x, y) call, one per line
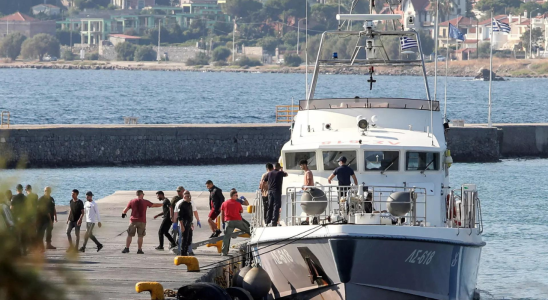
point(307, 93)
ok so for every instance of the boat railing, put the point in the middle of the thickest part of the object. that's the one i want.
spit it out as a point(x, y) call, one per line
point(464, 210)
point(366, 205)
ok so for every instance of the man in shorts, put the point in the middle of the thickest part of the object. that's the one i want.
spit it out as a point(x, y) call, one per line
point(216, 199)
point(138, 220)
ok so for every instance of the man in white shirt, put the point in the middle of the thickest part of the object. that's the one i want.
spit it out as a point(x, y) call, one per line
point(92, 216)
point(186, 195)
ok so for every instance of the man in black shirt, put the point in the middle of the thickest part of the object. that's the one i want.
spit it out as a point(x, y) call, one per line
point(46, 206)
point(216, 199)
point(174, 200)
point(183, 214)
point(21, 218)
point(275, 180)
point(53, 215)
point(75, 219)
point(166, 221)
point(343, 173)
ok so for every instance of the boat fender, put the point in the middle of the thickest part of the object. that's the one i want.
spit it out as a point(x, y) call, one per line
point(257, 282)
point(238, 279)
point(239, 293)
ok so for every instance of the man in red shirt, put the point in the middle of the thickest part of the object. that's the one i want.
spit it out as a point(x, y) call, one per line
point(231, 215)
point(138, 220)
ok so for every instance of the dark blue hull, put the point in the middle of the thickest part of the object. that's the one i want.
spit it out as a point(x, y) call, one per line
point(372, 268)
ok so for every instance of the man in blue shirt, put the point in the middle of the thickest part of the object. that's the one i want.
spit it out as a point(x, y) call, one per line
point(343, 173)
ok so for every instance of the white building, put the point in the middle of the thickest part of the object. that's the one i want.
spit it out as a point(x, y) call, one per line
point(47, 9)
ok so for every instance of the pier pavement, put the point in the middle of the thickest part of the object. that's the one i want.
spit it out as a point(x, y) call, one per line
point(109, 274)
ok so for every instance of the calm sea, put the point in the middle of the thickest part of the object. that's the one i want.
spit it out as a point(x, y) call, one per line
point(157, 97)
point(513, 195)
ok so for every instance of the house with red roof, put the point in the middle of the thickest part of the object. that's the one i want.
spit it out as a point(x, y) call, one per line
point(418, 14)
point(26, 25)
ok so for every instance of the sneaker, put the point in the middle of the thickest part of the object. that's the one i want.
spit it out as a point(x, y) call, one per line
point(190, 253)
point(159, 248)
point(217, 233)
point(82, 249)
point(126, 250)
point(140, 251)
point(50, 247)
point(172, 246)
point(213, 235)
point(99, 247)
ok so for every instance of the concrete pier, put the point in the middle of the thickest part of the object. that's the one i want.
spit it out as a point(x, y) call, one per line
point(192, 144)
point(109, 274)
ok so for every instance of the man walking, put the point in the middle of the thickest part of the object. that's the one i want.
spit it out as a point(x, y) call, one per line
point(174, 200)
point(343, 173)
point(44, 219)
point(20, 214)
point(166, 221)
point(138, 220)
point(183, 215)
point(274, 179)
point(231, 211)
point(216, 199)
point(47, 198)
point(263, 186)
point(74, 220)
point(92, 218)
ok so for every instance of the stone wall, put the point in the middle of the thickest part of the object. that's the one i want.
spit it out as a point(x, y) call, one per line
point(175, 54)
point(95, 145)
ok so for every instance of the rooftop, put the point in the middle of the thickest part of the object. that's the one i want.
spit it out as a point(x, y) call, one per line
point(459, 21)
point(18, 17)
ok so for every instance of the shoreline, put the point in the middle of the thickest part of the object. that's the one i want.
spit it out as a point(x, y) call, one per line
point(503, 67)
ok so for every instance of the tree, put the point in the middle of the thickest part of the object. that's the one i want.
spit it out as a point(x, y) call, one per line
point(220, 54)
point(85, 4)
point(145, 53)
point(427, 42)
point(40, 45)
point(290, 38)
point(201, 59)
point(537, 35)
point(152, 35)
point(67, 55)
point(176, 34)
point(269, 43)
point(241, 8)
point(498, 6)
point(11, 45)
point(246, 61)
point(282, 9)
point(445, 8)
point(125, 51)
point(292, 60)
point(323, 14)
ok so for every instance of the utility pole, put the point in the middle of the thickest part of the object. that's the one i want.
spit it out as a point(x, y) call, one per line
point(298, 33)
point(531, 33)
point(158, 56)
point(234, 40)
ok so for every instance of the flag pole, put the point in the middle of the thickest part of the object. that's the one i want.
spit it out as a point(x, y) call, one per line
point(489, 124)
point(436, 32)
point(446, 66)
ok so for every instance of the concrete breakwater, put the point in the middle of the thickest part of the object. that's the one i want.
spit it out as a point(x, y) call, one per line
point(107, 145)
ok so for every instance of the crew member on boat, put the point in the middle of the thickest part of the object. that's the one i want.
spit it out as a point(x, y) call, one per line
point(343, 173)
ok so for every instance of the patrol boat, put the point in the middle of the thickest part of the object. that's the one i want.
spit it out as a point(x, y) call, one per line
point(403, 232)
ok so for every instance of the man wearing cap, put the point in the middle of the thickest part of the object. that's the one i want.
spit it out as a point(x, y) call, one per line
point(92, 217)
point(166, 221)
point(74, 220)
point(138, 220)
point(174, 200)
point(343, 173)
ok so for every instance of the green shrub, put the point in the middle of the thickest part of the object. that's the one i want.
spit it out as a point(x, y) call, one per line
point(246, 61)
point(292, 60)
point(92, 56)
point(145, 53)
point(67, 55)
point(220, 54)
point(201, 59)
point(125, 51)
point(11, 45)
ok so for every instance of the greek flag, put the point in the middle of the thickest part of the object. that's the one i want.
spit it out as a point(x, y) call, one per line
point(499, 26)
point(407, 43)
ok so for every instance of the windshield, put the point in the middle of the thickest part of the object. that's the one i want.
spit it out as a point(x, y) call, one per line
point(292, 160)
point(381, 160)
point(417, 161)
point(330, 159)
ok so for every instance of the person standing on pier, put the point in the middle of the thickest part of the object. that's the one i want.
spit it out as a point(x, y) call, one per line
point(275, 180)
point(183, 214)
point(174, 200)
point(216, 199)
point(138, 220)
point(166, 221)
point(74, 220)
point(231, 214)
point(92, 218)
point(263, 186)
point(21, 217)
point(45, 218)
point(32, 202)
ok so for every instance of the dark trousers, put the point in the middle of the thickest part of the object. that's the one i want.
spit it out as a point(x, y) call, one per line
point(73, 225)
point(186, 238)
point(265, 207)
point(41, 231)
point(49, 230)
point(274, 204)
point(164, 231)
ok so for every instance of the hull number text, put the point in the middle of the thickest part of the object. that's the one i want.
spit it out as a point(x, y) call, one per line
point(420, 257)
point(281, 257)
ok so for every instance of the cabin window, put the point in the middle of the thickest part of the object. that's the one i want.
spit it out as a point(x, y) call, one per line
point(292, 160)
point(418, 161)
point(382, 160)
point(330, 159)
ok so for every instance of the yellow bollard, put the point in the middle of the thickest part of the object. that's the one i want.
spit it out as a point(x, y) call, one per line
point(191, 263)
point(250, 209)
point(156, 290)
point(218, 222)
point(218, 244)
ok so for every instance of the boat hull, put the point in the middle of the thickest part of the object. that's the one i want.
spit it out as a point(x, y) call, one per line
point(371, 268)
